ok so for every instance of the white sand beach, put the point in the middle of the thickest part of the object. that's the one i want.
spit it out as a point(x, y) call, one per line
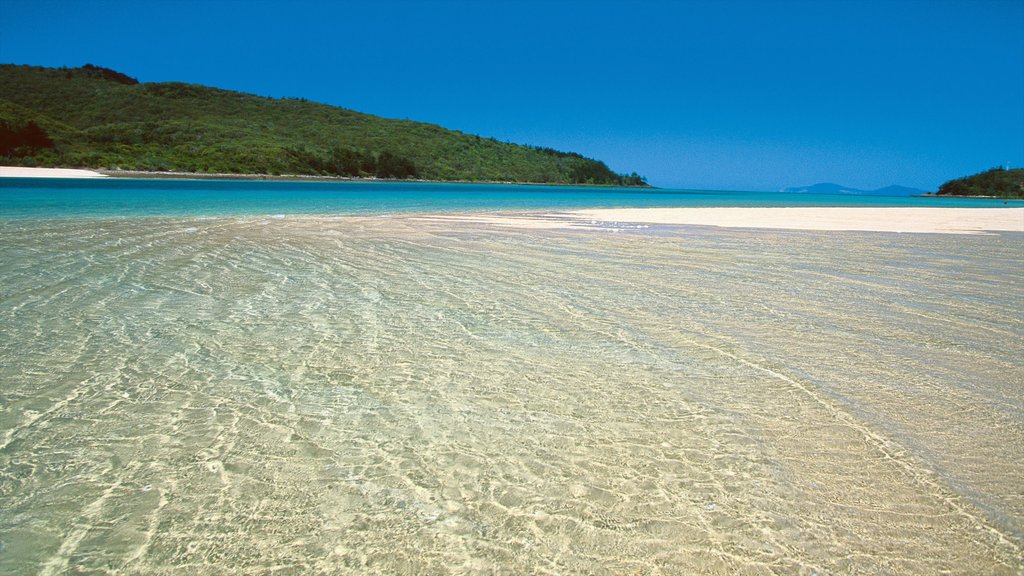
point(888, 219)
point(24, 172)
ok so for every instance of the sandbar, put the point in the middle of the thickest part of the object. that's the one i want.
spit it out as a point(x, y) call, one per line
point(885, 219)
point(26, 172)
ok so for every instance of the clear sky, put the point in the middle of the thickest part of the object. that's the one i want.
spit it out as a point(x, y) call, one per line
point(753, 95)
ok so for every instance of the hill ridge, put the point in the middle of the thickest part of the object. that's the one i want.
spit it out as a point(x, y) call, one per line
point(95, 117)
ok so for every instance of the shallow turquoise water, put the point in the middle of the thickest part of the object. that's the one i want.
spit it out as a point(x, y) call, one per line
point(44, 198)
point(206, 390)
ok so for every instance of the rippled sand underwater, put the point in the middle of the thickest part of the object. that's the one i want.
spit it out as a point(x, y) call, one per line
point(383, 395)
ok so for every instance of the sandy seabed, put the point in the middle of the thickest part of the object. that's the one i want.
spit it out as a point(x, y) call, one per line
point(392, 395)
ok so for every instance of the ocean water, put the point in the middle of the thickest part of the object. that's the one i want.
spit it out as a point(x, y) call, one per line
point(115, 197)
point(368, 392)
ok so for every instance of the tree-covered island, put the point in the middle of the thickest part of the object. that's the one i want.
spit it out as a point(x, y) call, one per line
point(994, 183)
point(94, 117)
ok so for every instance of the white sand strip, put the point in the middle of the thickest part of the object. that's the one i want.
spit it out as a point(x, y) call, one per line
point(23, 172)
point(895, 219)
point(534, 221)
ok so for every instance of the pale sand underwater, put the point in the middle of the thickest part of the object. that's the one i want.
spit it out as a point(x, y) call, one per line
point(400, 395)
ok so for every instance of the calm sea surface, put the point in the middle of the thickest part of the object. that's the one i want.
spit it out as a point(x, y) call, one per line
point(189, 385)
point(111, 197)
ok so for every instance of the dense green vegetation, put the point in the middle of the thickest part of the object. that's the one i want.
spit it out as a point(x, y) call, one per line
point(93, 117)
point(997, 182)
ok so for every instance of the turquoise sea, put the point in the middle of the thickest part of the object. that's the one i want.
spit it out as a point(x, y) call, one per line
point(202, 377)
point(46, 197)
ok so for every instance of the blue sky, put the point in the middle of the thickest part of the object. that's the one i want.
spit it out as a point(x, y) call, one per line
point(753, 95)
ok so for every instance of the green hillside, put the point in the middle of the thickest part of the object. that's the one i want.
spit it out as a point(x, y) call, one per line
point(997, 182)
point(93, 117)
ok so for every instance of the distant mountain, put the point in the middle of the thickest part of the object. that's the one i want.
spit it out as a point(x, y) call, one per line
point(896, 190)
point(829, 188)
point(94, 117)
point(822, 188)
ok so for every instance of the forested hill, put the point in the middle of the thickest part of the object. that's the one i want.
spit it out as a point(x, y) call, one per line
point(93, 117)
point(997, 182)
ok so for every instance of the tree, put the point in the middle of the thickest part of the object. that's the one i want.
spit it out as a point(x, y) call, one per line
point(392, 166)
point(23, 141)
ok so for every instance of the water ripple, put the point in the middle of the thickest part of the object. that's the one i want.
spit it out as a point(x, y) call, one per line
point(386, 395)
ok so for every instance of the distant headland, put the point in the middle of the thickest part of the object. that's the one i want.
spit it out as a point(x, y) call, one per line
point(98, 118)
point(995, 183)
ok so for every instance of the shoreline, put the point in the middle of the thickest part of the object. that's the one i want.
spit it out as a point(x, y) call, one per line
point(968, 196)
point(32, 172)
point(317, 178)
point(889, 219)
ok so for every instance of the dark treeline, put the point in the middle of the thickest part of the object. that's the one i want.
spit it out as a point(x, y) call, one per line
point(23, 140)
point(104, 73)
point(357, 163)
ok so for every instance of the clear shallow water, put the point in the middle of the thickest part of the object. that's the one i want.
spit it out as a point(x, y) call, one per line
point(109, 197)
point(382, 394)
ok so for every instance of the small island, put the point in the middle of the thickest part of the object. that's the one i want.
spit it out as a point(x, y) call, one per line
point(98, 118)
point(995, 183)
